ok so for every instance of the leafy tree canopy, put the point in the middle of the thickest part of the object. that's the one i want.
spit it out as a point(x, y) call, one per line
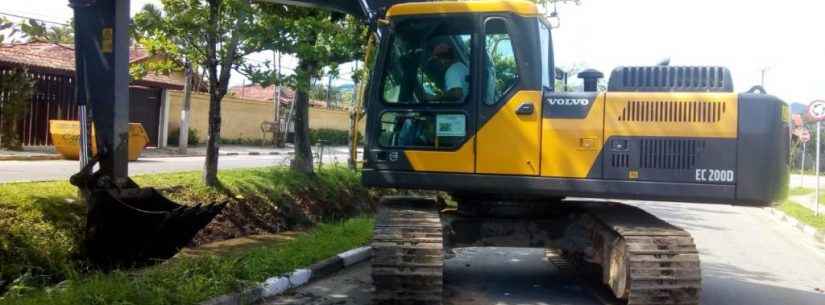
point(317, 38)
point(34, 30)
point(181, 31)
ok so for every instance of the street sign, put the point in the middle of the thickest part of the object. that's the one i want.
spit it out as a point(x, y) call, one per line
point(797, 120)
point(816, 110)
point(803, 134)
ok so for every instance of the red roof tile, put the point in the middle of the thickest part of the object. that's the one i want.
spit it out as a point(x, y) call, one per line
point(256, 92)
point(39, 54)
point(60, 57)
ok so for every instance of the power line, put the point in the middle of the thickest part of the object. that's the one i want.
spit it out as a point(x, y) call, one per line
point(38, 19)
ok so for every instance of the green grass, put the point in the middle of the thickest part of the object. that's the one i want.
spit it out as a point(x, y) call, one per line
point(797, 191)
point(803, 214)
point(41, 224)
point(190, 280)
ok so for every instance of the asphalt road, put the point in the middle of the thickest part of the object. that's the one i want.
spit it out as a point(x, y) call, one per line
point(747, 258)
point(17, 171)
point(498, 276)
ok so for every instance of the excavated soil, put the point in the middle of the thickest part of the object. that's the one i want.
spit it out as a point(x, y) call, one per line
point(253, 215)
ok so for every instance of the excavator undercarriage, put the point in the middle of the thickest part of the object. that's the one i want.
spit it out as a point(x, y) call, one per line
point(639, 257)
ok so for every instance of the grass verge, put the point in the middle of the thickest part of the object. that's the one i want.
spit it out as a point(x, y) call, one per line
point(189, 280)
point(798, 191)
point(42, 223)
point(803, 214)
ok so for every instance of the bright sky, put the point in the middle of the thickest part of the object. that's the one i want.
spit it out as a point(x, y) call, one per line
point(743, 35)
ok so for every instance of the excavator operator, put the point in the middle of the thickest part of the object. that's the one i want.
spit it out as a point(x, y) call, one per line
point(456, 74)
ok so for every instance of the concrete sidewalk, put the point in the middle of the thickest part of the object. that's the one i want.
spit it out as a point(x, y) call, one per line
point(808, 180)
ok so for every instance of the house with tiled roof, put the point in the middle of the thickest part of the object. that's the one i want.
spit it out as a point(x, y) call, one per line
point(256, 92)
point(53, 66)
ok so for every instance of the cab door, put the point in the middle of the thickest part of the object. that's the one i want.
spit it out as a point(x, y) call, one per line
point(421, 116)
point(509, 106)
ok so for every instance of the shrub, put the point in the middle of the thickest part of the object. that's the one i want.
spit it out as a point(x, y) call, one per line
point(246, 141)
point(175, 134)
point(330, 136)
point(16, 90)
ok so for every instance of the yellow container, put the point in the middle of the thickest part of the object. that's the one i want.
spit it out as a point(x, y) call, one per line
point(66, 139)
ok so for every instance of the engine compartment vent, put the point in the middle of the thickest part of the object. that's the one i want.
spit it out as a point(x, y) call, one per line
point(670, 79)
point(620, 160)
point(670, 154)
point(673, 111)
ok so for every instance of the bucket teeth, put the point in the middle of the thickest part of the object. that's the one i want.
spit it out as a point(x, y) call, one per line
point(408, 253)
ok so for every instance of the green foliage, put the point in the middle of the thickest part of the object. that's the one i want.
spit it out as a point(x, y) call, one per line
point(7, 25)
point(797, 191)
point(35, 30)
point(16, 90)
point(174, 136)
point(246, 141)
point(803, 214)
point(42, 223)
point(213, 34)
point(331, 137)
point(318, 38)
point(190, 280)
point(503, 62)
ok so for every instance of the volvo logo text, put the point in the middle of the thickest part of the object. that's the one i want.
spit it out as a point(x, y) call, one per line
point(569, 101)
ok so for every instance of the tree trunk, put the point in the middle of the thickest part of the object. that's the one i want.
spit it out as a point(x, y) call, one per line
point(303, 149)
point(210, 174)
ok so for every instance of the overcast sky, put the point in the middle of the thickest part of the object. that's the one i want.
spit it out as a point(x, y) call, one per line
point(784, 37)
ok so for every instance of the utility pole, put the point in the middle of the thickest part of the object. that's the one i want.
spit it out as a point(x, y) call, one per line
point(183, 134)
point(276, 131)
point(329, 89)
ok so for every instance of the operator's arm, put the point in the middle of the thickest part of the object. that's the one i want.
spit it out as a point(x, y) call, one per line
point(456, 83)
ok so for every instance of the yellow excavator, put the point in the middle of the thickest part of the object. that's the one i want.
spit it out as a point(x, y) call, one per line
point(461, 99)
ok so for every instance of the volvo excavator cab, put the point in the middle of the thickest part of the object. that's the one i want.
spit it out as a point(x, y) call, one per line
point(461, 98)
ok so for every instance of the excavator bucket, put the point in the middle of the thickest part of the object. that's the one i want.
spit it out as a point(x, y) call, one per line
point(130, 226)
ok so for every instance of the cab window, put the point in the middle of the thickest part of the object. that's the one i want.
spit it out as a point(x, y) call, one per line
point(421, 129)
point(501, 71)
point(428, 62)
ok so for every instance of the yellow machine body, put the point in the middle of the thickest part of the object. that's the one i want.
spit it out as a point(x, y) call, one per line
point(667, 133)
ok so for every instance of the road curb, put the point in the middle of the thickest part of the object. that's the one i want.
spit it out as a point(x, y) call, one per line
point(31, 158)
point(817, 235)
point(279, 284)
